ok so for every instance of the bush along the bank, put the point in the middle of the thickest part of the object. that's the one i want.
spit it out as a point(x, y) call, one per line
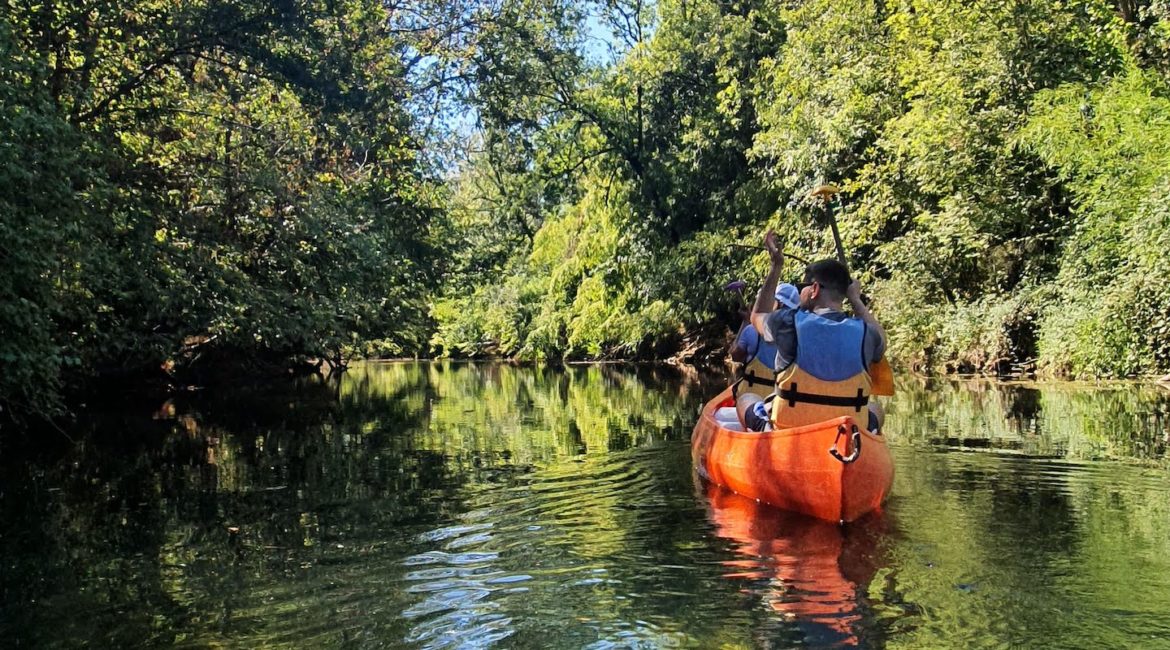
point(1004, 168)
point(182, 183)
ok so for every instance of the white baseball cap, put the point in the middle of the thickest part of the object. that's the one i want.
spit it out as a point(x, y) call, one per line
point(788, 295)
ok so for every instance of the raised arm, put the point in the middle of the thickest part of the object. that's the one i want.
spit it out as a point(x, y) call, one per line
point(863, 312)
point(766, 299)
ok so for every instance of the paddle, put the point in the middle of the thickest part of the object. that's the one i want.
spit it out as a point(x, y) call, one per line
point(880, 372)
point(827, 193)
point(737, 286)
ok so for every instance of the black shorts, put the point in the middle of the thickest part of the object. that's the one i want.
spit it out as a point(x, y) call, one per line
point(756, 418)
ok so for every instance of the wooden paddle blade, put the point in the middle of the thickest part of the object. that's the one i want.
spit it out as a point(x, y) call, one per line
point(825, 191)
point(882, 378)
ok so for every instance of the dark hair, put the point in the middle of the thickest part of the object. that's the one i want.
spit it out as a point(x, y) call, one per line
point(830, 274)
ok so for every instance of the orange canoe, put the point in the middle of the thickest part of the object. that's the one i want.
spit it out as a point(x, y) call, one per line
point(833, 470)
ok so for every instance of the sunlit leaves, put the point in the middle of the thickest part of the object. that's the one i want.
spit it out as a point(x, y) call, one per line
point(965, 214)
point(1111, 144)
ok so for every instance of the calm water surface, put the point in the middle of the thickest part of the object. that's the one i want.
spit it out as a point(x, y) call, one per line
point(475, 506)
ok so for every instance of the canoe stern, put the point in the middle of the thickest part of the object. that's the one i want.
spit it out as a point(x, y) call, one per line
point(794, 468)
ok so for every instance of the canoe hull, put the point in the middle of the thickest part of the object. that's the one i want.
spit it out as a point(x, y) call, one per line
point(793, 468)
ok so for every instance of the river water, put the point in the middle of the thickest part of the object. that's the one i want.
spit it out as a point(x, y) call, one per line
point(446, 505)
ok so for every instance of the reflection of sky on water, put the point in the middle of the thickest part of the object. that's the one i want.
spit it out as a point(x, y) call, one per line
point(467, 598)
point(548, 547)
point(456, 610)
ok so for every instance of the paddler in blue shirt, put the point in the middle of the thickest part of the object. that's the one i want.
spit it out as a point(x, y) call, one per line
point(758, 372)
point(823, 356)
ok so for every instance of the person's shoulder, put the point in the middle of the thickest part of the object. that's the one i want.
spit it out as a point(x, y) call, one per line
point(782, 319)
point(747, 336)
point(784, 314)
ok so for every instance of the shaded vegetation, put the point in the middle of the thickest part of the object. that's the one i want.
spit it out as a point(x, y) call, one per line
point(187, 187)
point(188, 184)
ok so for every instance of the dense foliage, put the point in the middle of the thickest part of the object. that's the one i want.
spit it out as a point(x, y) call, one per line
point(1004, 165)
point(184, 184)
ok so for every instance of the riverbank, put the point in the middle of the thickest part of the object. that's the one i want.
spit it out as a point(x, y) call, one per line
point(704, 347)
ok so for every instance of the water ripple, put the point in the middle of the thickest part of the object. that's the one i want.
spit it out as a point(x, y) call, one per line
point(546, 539)
point(437, 557)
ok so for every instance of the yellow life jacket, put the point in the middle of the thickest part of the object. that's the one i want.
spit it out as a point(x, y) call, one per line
point(756, 377)
point(882, 376)
point(804, 399)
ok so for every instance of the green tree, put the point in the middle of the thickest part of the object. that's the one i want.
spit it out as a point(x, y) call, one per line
point(221, 182)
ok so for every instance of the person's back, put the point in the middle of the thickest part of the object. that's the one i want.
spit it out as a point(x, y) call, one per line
point(757, 356)
point(823, 355)
point(827, 377)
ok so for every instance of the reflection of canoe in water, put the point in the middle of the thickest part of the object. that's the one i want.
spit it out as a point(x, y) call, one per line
point(817, 572)
point(834, 470)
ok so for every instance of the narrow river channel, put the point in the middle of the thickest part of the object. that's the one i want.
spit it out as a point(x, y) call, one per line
point(457, 505)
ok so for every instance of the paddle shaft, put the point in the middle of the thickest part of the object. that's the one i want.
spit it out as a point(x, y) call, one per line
point(837, 239)
point(836, 235)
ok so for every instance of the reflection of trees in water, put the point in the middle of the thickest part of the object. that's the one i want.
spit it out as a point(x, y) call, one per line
point(1023, 406)
point(167, 521)
point(592, 550)
point(1005, 534)
point(278, 517)
point(1027, 550)
point(534, 414)
point(1067, 526)
point(1056, 419)
point(76, 527)
point(148, 524)
point(1039, 508)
